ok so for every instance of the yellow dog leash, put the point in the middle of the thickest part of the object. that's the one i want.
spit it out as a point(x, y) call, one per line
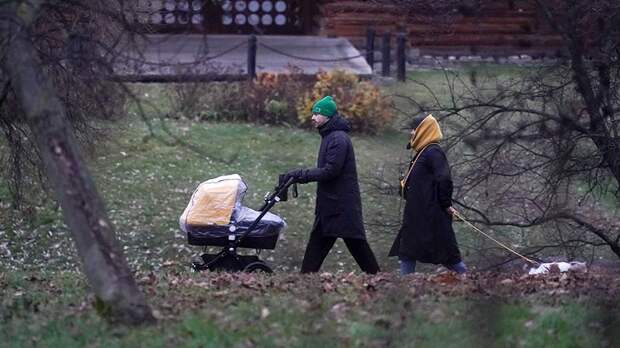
point(493, 239)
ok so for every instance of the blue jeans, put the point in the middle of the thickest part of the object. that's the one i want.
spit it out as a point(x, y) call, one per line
point(407, 266)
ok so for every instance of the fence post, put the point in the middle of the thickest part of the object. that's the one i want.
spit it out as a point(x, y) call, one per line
point(370, 47)
point(401, 56)
point(385, 56)
point(252, 56)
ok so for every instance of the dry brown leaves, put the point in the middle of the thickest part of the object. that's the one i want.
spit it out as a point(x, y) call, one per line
point(180, 291)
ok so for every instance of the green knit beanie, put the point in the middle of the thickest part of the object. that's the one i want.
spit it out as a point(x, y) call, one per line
point(326, 107)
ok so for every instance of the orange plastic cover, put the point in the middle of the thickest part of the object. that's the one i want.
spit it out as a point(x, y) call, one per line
point(213, 203)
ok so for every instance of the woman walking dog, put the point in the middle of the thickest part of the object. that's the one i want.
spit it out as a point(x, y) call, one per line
point(426, 234)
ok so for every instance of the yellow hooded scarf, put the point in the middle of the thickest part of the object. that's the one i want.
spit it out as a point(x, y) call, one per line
point(427, 132)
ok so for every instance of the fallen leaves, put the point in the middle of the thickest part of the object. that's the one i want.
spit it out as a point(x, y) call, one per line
point(338, 311)
point(190, 290)
point(264, 313)
point(446, 278)
point(507, 281)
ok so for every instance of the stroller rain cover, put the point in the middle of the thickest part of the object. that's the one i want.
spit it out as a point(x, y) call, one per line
point(217, 204)
point(213, 202)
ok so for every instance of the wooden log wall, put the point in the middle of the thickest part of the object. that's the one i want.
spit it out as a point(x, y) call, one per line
point(491, 27)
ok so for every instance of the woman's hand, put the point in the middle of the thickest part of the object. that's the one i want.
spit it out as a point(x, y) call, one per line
point(451, 211)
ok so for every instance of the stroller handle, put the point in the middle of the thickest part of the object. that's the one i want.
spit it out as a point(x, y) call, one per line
point(270, 200)
point(280, 192)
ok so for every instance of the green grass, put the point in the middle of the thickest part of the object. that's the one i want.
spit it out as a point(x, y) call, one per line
point(430, 87)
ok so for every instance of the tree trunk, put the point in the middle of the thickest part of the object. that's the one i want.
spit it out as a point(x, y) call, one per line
point(103, 262)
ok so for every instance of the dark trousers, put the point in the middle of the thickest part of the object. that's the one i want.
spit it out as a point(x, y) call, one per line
point(319, 246)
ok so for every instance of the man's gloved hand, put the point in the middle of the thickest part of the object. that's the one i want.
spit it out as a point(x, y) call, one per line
point(298, 175)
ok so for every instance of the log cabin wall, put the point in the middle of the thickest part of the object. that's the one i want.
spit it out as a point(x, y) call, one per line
point(484, 27)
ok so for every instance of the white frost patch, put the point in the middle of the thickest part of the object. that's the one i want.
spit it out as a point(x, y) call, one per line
point(562, 267)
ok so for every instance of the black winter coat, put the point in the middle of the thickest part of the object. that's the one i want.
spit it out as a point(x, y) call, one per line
point(426, 234)
point(338, 203)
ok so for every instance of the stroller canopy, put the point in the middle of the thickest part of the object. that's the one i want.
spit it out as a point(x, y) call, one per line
point(214, 202)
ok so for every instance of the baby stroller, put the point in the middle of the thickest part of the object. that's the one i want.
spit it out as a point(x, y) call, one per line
point(215, 216)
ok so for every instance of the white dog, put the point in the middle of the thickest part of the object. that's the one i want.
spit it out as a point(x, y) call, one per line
point(559, 267)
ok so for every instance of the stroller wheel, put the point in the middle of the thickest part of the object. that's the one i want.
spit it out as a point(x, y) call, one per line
point(198, 267)
point(258, 266)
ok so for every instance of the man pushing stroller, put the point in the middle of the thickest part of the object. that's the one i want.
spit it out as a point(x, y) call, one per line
point(338, 212)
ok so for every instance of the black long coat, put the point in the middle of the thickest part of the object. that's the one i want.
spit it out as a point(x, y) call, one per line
point(426, 234)
point(338, 204)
